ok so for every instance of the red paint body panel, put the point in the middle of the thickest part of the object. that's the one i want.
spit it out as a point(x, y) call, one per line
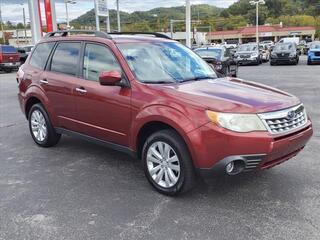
point(117, 114)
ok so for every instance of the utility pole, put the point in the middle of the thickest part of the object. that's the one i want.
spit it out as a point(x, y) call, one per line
point(256, 3)
point(67, 10)
point(118, 16)
point(108, 23)
point(24, 25)
point(188, 23)
point(3, 36)
point(97, 16)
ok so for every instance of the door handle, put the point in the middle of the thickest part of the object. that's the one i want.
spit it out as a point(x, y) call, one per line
point(44, 81)
point(81, 90)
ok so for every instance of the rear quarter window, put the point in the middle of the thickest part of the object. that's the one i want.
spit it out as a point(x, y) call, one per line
point(40, 55)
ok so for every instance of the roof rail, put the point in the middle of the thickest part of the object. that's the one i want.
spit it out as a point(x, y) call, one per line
point(153, 34)
point(65, 33)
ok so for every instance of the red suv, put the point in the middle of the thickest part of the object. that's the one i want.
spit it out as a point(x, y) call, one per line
point(154, 98)
point(9, 58)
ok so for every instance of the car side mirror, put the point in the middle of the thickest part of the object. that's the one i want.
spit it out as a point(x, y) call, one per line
point(109, 78)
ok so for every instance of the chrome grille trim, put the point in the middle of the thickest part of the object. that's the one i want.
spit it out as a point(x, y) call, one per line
point(286, 120)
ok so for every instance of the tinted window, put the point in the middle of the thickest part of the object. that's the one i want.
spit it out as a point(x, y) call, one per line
point(209, 52)
point(41, 54)
point(65, 58)
point(98, 58)
point(8, 49)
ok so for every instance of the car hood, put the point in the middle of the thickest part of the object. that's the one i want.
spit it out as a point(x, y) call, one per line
point(314, 50)
point(233, 95)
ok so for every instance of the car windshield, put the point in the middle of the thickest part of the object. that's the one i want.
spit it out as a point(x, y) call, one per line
point(165, 62)
point(315, 46)
point(283, 47)
point(8, 49)
point(247, 48)
point(209, 52)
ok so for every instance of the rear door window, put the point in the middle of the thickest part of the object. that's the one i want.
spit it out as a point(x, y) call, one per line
point(98, 58)
point(40, 55)
point(66, 58)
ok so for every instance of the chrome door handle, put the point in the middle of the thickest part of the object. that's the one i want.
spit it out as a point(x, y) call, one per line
point(81, 90)
point(44, 81)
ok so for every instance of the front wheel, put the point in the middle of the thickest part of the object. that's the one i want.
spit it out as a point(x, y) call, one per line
point(41, 128)
point(167, 163)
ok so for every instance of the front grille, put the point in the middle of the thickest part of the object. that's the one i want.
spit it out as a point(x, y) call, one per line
point(245, 56)
point(317, 54)
point(285, 120)
point(283, 55)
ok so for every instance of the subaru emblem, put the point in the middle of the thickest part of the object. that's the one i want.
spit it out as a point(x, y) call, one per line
point(291, 115)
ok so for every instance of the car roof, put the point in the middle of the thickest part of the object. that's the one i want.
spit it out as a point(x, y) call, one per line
point(102, 37)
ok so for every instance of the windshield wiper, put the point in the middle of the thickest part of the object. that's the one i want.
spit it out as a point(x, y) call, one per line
point(197, 78)
point(157, 82)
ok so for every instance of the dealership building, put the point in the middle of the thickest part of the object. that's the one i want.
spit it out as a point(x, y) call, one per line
point(248, 34)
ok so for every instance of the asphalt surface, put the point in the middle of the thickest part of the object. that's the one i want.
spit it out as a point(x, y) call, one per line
point(78, 190)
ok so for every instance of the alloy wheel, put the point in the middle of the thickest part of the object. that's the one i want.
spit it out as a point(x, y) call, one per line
point(163, 164)
point(38, 126)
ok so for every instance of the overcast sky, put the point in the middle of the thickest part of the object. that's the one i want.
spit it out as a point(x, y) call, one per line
point(12, 9)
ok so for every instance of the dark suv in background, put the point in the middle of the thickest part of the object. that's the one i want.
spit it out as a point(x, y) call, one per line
point(284, 53)
point(221, 58)
point(156, 99)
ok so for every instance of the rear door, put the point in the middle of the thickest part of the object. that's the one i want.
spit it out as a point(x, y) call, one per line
point(104, 112)
point(59, 81)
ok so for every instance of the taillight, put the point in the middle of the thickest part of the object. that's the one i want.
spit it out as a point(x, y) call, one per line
point(1, 58)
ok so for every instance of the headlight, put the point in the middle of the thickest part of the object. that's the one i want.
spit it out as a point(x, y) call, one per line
point(237, 122)
point(254, 55)
point(273, 54)
point(292, 54)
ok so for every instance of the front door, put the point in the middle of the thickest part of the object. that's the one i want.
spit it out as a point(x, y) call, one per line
point(104, 112)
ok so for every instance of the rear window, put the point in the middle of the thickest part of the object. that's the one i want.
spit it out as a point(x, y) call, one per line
point(65, 58)
point(41, 54)
point(8, 49)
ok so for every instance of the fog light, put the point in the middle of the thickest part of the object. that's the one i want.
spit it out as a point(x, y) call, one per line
point(230, 167)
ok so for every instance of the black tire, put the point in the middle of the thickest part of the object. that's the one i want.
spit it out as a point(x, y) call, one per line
point(7, 70)
point(273, 63)
point(187, 178)
point(51, 138)
point(309, 62)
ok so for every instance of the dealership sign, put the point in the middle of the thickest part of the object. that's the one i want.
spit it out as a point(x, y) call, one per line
point(102, 8)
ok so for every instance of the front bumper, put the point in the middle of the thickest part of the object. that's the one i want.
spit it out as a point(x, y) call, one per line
point(314, 59)
point(247, 61)
point(283, 60)
point(216, 147)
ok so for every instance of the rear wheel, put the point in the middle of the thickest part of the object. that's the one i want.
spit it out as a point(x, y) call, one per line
point(41, 128)
point(167, 163)
point(309, 62)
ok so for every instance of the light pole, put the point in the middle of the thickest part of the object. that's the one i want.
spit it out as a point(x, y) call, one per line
point(188, 24)
point(67, 11)
point(118, 16)
point(3, 36)
point(257, 2)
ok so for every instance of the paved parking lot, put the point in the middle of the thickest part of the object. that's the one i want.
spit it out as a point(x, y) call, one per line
point(78, 190)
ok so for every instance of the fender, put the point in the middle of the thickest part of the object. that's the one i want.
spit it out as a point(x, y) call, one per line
point(164, 114)
point(37, 92)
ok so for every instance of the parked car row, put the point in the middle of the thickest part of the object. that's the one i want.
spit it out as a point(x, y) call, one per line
point(11, 58)
point(225, 60)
